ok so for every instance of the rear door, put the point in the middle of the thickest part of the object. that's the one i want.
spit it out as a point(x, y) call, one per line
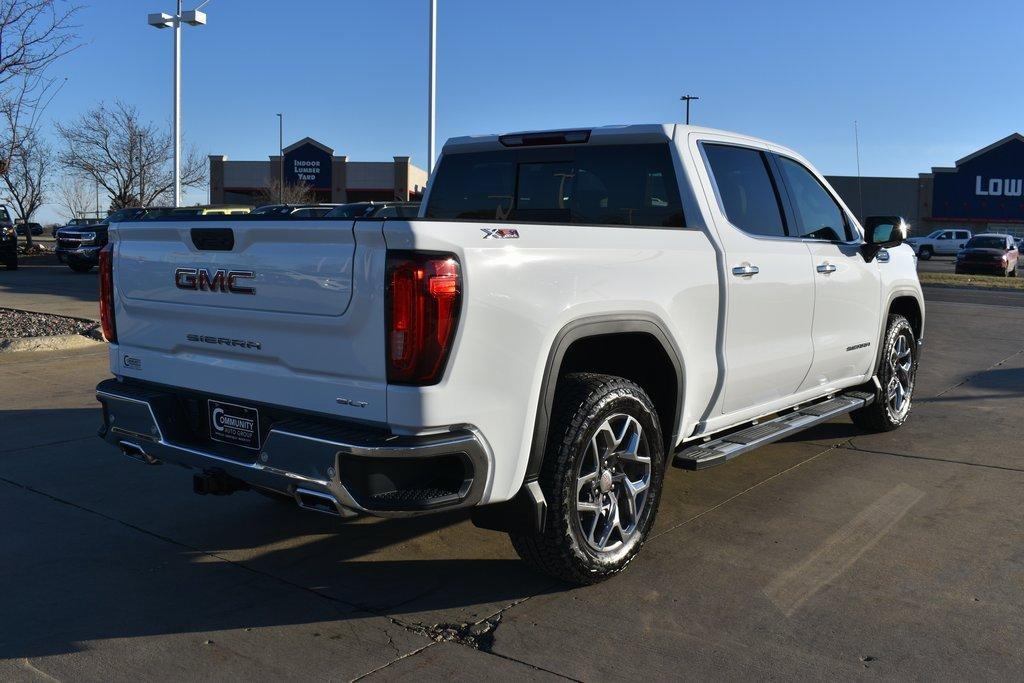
point(769, 280)
point(266, 310)
point(847, 288)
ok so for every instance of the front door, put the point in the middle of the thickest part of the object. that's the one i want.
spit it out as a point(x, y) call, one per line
point(769, 281)
point(950, 242)
point(847, 289)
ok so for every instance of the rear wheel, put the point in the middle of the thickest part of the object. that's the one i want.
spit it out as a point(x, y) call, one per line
point(11, 264)
point(925, 253)
point(897, 376)
point(602, 478)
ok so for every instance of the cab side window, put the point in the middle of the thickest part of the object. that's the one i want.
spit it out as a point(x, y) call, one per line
point(946, 236)
point(817, 213)
point(746, 188)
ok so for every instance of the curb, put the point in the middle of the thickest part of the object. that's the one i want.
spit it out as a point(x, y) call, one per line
point(972, 288)
point(60, 342)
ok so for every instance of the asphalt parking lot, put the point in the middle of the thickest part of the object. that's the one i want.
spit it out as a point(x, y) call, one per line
point(835, 553)
point(936, 264)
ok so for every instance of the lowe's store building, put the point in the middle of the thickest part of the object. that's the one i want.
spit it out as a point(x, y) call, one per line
point(332, 178)
point(983, 192)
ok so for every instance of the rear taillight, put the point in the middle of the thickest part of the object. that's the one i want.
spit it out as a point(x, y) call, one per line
point(424, 293)
point(107, 294)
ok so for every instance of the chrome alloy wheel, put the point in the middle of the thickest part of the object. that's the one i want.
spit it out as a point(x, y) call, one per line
point(901, 376)
point(612, 483)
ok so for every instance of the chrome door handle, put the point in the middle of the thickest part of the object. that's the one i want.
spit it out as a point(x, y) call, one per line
point(746, 270)
point(827, 268)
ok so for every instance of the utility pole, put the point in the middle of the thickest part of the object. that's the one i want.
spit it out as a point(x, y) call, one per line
point(280, 158)
point(688, 99)
point(431, 86)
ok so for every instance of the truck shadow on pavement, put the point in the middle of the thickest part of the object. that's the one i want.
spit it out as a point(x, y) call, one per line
point(111, 548)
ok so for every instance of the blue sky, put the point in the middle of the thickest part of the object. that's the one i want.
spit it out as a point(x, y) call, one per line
point(928, 81)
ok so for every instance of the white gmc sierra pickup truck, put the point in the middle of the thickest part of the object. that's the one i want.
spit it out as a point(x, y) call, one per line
point(571, 312)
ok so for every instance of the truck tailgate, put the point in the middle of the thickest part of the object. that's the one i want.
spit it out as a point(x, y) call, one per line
point(283, 312)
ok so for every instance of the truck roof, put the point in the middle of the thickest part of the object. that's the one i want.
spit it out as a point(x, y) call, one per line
point(608, 135)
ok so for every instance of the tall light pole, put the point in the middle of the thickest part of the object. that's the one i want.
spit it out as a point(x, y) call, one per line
point(688, 99)
point(164, 20)
point(280, 157)
point(432, 86)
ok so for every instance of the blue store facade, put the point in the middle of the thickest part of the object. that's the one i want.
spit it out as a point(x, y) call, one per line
point(984, 192)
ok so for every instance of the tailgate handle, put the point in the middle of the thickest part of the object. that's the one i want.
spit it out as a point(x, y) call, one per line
point(213, 239)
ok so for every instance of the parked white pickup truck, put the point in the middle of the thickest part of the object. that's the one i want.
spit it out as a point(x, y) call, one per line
point(572, 312)
point(940, 242)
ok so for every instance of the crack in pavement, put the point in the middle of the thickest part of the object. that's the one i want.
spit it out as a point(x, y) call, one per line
point(970, 377)
point(857, 449)
point(393, 661)
point(87, 437)
point(429, 631)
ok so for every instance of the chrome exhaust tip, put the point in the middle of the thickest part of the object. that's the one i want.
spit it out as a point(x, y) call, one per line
point(317, 501)
point(135, 452)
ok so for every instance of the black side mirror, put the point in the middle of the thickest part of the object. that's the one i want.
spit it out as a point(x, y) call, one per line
point(882, 232)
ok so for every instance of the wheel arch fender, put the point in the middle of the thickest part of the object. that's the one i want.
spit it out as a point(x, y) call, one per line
point(910, 304)
point(606, 328)
point(527, 510)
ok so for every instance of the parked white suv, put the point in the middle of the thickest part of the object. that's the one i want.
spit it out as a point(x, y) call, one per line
point(940, 242)
point(572, 312)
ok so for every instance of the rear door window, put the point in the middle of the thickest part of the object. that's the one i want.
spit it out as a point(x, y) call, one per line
point(818, 214)
point(598, 185)
point(746, 189)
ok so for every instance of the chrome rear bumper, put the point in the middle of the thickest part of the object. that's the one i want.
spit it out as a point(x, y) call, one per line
point(322, 464)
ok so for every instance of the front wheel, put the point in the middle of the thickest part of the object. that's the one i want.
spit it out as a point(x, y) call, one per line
point(602, 478)
point(11, 264)
point(925, 253)
point(896, 376)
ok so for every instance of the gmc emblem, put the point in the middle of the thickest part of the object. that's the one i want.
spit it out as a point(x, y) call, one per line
point(220, 281)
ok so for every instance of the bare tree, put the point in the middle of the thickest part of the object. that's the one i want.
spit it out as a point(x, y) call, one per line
point(24, 179)
point(74, 197)
point(274, 193)
point(33, 34)
point(130, 159)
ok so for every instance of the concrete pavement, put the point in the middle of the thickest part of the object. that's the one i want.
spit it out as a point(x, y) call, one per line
point(835, 553)
point(44, 285)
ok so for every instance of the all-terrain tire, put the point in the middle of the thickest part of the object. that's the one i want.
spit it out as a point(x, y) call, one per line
point(881, 415)
point(583, 404)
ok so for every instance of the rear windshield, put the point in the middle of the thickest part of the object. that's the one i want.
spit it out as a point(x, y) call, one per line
point(987, 243)
point(603, 185)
